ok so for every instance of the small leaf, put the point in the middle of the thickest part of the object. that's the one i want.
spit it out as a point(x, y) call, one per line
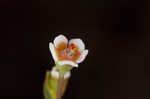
point(46, 92)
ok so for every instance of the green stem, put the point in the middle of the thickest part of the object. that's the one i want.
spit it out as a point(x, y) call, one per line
point(62, 71)
point(60, 87)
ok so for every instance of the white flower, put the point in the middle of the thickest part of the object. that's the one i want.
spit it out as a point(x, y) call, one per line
point(67, 52)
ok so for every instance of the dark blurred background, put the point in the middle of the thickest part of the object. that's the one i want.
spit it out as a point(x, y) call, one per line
point(115, 31)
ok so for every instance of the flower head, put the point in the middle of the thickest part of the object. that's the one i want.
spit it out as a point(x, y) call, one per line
point(67, 52)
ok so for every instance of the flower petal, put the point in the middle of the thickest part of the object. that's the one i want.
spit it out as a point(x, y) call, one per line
point(79, 43)
point(67, 62)
point(55, 73)
point(82, 56)
point(60, 39)
point(52, 49)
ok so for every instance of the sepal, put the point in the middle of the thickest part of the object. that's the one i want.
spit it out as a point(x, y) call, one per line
point(50, 86)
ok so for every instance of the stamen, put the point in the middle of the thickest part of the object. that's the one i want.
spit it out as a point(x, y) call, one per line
point(70, 53)
point(73, 47)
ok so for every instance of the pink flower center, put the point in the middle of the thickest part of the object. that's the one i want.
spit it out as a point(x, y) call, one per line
point(69, 53)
